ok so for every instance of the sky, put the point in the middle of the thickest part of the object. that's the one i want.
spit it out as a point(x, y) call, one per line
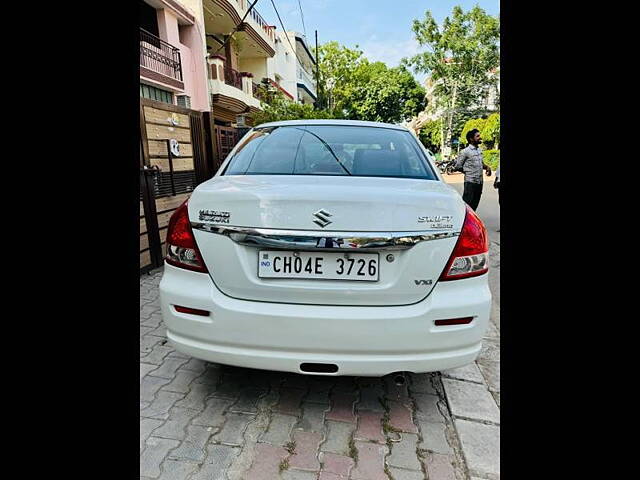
point(381, 28)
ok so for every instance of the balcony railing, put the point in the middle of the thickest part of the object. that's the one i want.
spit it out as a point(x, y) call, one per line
point(159, 56)
point(268, 30)
point(257, 92)
point(232, 77)
point(307, 79)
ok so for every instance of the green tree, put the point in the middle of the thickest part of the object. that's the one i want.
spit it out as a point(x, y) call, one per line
point(491, 131)
point(276, 107)
point(431, 135)
point(460, 55)
point(478, 123)
point(364, 90)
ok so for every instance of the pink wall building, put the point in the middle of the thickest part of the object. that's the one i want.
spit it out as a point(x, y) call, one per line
point(172, 53)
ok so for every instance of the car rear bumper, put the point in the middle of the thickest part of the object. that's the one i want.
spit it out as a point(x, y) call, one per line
point(368, 341)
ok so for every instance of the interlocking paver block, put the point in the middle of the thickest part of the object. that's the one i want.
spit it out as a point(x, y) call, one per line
point(422, 383)
point(490, 350)
point(394, 391)
point(266, 465)
point(344, 385)
point(370, 427)
point(290, 399)
point(342, 407)
point(181, 382)
point(154, 453)
point(439, 466)
point(159, 408)
point(157, 355)
point(192, 447)
point(168, 368)
point(148, 342)
point(491, 374)
point(211, 376)
point(196, 397)
point(400, 417)
point(319, 388)
point(233, 429)
point(469, 372)
point(471, 400)
point(337, 464)
point(298, 475)
point(279, 430)
point(305, 454)
point(399, 474)
point(296, 380)
point(331, 476)
point(404, 453)
point(231, 386)
point(155, 320)
point(147, 425)
point(195, 365)
point(337, 439)
point(312, 417)
point(370, 464)
point(248, 401)
point(427, 408)
point(219, 458)
point(175, 426)
point(149, 386)
point(145, 368)
point(434, 437)
point(213, 414)
point(177, 470)
point(481, 446)
point(371, 398)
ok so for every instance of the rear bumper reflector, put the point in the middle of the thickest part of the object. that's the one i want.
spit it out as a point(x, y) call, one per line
point(192, 311)
point(454, 321)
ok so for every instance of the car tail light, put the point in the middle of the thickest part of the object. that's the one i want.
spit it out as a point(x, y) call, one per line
point(470, 256)
point(182, 250)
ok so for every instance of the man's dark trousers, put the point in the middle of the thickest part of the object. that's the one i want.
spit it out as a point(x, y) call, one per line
point(472, 193)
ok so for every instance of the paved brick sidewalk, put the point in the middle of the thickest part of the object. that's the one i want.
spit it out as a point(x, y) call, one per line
point(206, 421)
point(473, 393)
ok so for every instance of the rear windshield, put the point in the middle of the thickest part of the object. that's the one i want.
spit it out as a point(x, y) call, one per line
point(329, 150)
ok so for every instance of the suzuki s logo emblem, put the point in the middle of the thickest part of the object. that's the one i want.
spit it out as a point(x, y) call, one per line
point(322, 218)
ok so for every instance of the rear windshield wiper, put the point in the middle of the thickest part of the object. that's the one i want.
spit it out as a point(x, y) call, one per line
point(330, 151)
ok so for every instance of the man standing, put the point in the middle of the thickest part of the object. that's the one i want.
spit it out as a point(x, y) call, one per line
point(496, 184)
point(470, 162)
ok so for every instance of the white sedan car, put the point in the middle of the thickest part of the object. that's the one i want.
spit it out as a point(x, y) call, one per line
point(327, 247)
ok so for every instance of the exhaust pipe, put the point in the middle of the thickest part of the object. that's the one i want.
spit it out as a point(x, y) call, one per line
point(399, 378)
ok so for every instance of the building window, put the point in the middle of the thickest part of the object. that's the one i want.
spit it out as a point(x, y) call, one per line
point(153, 93)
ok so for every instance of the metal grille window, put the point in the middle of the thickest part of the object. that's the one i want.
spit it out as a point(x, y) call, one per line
point(153, 93)
point(184, 101)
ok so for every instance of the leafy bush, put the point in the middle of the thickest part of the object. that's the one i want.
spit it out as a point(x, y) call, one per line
point(431, 135)
point(478, 123)
point(491, 158)
point(490, 133)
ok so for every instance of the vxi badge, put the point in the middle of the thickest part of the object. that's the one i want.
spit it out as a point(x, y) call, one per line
point(214, 216)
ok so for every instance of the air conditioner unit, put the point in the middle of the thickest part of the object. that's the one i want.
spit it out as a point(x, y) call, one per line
point(184, 101)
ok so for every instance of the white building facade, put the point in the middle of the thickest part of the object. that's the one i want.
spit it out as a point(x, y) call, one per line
point(292, 67)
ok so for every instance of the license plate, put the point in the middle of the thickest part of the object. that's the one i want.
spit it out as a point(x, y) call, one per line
point(318, 265)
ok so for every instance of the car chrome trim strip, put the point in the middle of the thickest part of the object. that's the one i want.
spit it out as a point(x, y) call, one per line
point(320, 240)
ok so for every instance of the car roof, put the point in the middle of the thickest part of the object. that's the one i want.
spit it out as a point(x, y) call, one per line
point(336, 122)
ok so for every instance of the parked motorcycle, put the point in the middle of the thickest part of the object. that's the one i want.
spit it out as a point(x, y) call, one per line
point(447, 166)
